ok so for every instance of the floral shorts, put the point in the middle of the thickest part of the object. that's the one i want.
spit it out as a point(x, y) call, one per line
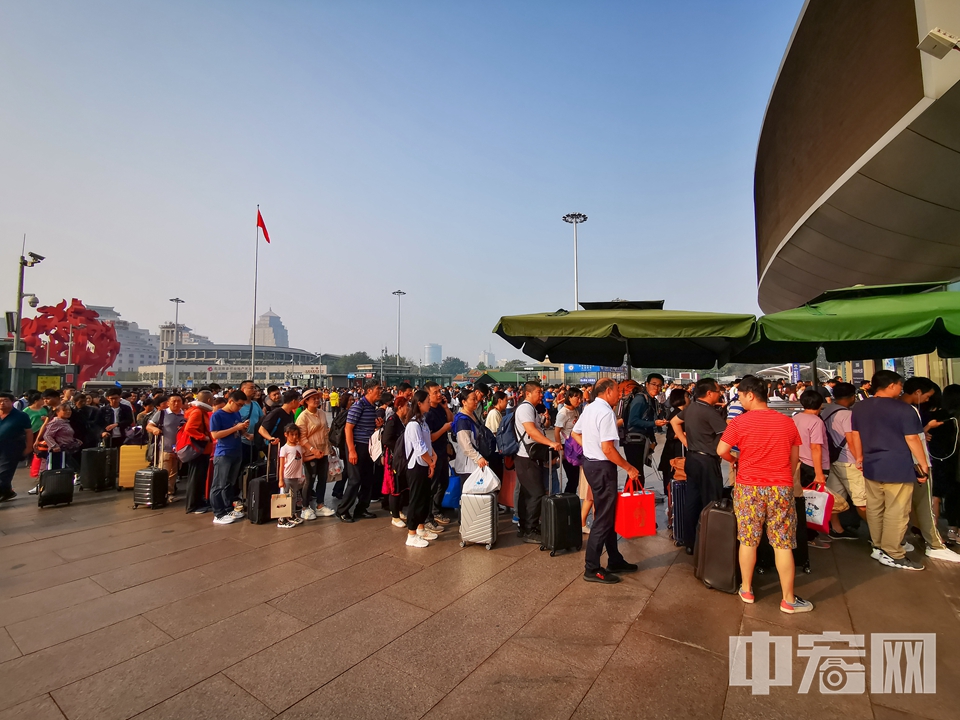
point(773, 506)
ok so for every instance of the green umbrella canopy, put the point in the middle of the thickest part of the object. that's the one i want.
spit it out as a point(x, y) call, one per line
point(862, 322)
point(659, 338)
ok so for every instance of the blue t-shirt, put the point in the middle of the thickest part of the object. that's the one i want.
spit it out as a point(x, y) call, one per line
point(883, 423)
point(230, 445)
point(13, 437)
point(548, 398)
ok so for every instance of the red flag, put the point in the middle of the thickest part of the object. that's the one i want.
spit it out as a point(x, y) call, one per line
point(262, 226)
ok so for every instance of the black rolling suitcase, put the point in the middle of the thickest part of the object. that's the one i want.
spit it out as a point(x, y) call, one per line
point(259, 491)
point(682, 532)
point(715, 556)
point(250, 472)
point(560, 527)
point(56, 486)
point(766, 560)
point(97, 472)
point(150, 485)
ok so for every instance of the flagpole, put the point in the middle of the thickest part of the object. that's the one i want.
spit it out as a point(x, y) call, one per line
point(253, 332)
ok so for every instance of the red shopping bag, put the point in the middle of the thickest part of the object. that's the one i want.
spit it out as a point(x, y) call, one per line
point(636, 512)
point(819, 506)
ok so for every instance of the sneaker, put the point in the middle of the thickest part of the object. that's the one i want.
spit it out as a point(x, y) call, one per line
point(33, 490)
point(238, 514)
point(516, 520)
point(907, 547)
point(324, 511)
point(433, 527)
point(745, 595)
point(903, 563)
point(426, 534)
point(798, 605)
point(623, 567)
point(416, 541)
point(285, 523)
point(398, 523)
point(238, 505)
point(308, 513)
point(201, 511)
point(441, 519)
point(533, 538)
point(403, 516)
point(585, 530)
point(296, 520)
point(601, 576)
point(877, 554)
point(225, 519)
point(820, 543)
point(8, 496)
point(845, 534)
point(943, 554)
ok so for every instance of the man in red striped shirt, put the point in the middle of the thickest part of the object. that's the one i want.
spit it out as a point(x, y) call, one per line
point(763, 496)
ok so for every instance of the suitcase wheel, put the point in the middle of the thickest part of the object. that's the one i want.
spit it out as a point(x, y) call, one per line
point(488, 546)
point(119, 488)
point(463, 544)
point(542, 548)
point(806, 569)
point(553, 553)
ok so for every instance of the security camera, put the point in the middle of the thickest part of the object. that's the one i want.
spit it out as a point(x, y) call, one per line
point(33, 301)
point(36, 258)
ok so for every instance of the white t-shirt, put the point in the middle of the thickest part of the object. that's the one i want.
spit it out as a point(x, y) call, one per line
point(292, 461)
point(525, 413)
point(597, 424)
point(566, 419)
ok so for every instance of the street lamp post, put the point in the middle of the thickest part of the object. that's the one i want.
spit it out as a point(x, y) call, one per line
point(70, 344)
point(575, 219)
point(176, 331)
point(24, 263)
point(399, 294)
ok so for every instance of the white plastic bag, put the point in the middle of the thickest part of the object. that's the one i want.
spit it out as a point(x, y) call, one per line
point(481, 481)
point(375, 446)
point(334, 466)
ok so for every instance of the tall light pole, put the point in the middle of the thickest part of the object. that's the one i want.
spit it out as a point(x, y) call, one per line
point(575, 219)
point(24, 263)
point(70, 344)
point(176, 331)
point(399, 294)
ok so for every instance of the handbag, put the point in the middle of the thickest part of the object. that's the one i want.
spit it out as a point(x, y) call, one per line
point(679, 468)
point(335, 466)
point(190, 452)
point(451, 498)
point(281, 505)
point(375, 445)
point(636, 514)
point(482, 481)
point(573, 452)
point(819, 507)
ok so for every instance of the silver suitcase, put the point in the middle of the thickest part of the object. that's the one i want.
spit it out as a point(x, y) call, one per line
point(479, 517)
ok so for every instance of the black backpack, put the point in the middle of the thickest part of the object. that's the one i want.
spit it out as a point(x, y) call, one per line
point(398, 458)
point(337, 435)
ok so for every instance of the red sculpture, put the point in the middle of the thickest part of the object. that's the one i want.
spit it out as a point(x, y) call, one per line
point(95, 346)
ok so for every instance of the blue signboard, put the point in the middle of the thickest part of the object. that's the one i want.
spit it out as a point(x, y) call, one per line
point(351, 376)
point(574, 368)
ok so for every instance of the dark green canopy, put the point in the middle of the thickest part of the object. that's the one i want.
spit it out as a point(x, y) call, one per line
point(659, 338)
point(880, 321)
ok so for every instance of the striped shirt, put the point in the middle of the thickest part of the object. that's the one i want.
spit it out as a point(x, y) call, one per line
point(765, 439)
point(363, 416)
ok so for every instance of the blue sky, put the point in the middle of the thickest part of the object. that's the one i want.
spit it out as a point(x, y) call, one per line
point(427, 146)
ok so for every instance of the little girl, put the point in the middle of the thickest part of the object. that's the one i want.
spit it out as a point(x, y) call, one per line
point(290, 473)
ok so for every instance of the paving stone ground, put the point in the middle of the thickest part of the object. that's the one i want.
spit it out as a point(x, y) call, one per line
point(110, 613)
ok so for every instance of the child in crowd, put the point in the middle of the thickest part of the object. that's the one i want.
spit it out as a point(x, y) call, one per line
point(291, 473)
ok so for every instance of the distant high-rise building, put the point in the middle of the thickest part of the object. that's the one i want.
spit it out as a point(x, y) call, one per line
point(432, 354)
point(488, 359)
point(138, 346)
point(270, 331)
point(185, 338)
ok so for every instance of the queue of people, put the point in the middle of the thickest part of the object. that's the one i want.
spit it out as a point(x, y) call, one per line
point(890, 458)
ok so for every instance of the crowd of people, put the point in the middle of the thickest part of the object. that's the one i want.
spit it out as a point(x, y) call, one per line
point(886, 451)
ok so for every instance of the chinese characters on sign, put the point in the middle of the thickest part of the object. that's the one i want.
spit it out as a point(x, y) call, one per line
point(899, 662)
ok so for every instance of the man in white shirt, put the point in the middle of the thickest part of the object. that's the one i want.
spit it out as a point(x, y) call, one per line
point(529, 462)
point(596, 431)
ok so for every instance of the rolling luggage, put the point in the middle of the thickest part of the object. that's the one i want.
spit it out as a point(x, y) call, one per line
point(560, 527)
point(56, 486)
point(260, 490)
point(766, 560)
point(479, 517)
point(715, 555)
point(131, 459)
point(150, 486)
point(251, 471)
point(682, 532)
point(98, 468)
